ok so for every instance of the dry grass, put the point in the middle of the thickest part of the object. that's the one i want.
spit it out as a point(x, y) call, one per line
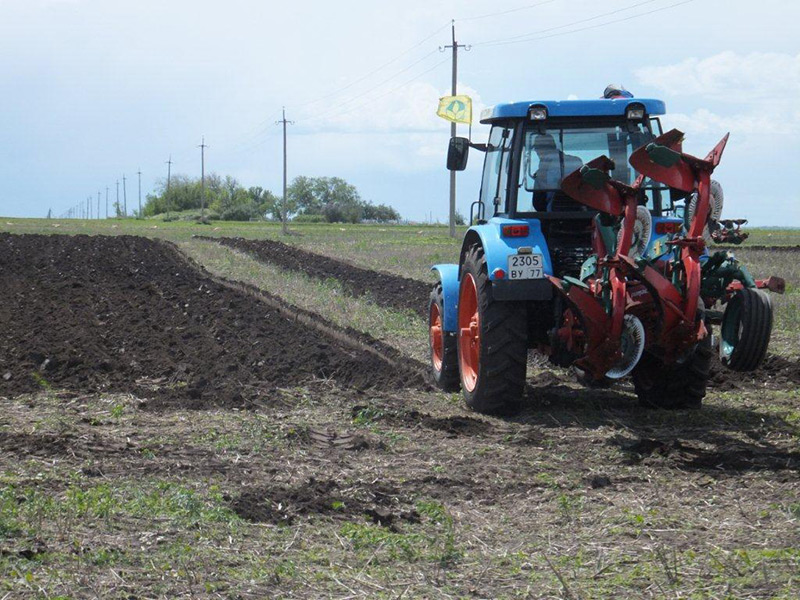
point(404, 330)
point(581, 496)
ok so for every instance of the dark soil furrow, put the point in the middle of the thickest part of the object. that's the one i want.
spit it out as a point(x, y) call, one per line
point(130, 314)
point(385, 289)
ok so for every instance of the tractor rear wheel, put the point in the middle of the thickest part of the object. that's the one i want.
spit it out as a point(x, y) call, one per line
point(682, 385)
point(444, 353)
point(492, 341)
point(745, 331)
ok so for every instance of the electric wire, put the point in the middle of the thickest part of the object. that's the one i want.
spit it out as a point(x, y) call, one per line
point(371, 100)
point(527, 38)
point(374, 71)
point(498, 41)
point(505, 12)
point(375, 87)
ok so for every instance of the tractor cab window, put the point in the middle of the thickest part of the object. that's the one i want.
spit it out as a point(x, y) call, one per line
point(549, 155)
point(495, 170)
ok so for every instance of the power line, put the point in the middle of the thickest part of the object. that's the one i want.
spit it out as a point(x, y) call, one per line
point(570, 24)
point(377, 69)
point(380, 85)
point(252, 141)
point(505, 12)
point(531, 36)
point(370, 100)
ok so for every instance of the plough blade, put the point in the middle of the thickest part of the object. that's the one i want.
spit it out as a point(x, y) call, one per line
point(663, 160)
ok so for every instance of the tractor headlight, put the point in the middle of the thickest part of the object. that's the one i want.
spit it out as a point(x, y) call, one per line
point(537, 112)
point(635, 112)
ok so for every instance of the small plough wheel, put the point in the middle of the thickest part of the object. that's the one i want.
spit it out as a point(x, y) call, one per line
point(444, 354)
point(682, 385)
point(631, 347)
point(745, 331)
point(492, 341)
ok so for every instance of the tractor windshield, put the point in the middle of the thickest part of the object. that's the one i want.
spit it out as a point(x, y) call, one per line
point(548, 155)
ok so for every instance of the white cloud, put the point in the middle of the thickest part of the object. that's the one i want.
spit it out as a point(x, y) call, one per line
point(728, 76)
point(759, 122)
point(409, 109)
point(757, 93)
point(401, 129)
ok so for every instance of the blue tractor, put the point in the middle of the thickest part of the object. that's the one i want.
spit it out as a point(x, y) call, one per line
point(526, 233)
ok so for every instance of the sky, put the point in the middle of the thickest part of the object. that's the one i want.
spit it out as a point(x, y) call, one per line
point(91, 90)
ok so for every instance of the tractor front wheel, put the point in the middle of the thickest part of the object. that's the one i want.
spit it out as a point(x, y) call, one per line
point(492, 341)
point(444, 355)
point(682, 385)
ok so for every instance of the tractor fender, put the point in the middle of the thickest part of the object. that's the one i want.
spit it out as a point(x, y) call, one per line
point(448, 275)
point(496, 248)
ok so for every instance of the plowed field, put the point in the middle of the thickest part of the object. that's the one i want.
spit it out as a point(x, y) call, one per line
point(128, 314)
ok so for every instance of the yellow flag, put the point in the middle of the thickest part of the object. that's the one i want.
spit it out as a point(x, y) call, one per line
point(457, 109)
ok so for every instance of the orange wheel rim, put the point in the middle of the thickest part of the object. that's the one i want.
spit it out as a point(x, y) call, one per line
point(436, 336)
point(469, 328)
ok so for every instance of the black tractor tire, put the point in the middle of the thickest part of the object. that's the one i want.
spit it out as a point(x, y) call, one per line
point(682, 385)
point(746, 327)
point(445, 377)
point(503, 360)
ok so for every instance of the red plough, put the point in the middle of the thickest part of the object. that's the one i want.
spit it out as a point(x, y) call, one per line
point(608, 341)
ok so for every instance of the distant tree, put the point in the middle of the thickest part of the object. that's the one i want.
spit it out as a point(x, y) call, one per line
point(301, 198)
point(336, 200)
point(224, 196)
point(380, 213)
point(268, 203)
point(331, 199)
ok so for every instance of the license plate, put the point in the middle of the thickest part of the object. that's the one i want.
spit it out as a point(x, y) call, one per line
point(525, 266)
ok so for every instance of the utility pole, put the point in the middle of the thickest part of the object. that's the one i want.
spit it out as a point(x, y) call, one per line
point(139, 173)
point(169, 170)
point(124, 197)
point(284, 205)
point(116, 210)
point(97, 216)
point(106, 202)
point(455, 46)
point(169, 176)
point(203, 147)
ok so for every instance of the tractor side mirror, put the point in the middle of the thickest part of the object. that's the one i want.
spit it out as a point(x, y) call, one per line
point(457, 154)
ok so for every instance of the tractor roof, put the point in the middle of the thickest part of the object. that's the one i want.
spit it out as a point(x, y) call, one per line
point(572, 108)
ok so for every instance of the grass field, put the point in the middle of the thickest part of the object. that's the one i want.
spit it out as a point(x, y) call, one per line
point(583, 495)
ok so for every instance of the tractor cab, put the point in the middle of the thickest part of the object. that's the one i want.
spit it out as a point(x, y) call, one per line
point(532, 146)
